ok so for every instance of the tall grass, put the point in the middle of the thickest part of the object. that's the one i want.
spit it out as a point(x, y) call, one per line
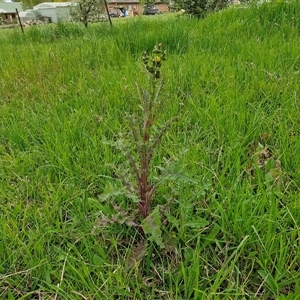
point(232, 220)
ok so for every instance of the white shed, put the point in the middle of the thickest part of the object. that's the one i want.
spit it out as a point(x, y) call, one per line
point(57, 11)
point(28, 15)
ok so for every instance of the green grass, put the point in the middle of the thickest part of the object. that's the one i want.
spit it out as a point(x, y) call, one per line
point(231, 223)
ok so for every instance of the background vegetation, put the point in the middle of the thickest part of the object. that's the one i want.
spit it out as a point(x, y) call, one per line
point(200, 8)
point(230, 205)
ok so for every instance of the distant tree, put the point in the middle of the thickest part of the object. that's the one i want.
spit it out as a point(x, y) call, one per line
point(31, 3)
point(86, 11)
point(150, 3)
point(147, 3)
point(200, 8)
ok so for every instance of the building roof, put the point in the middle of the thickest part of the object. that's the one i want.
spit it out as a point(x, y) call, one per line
point(25, 13)
point(53, 4)
point(10, 7)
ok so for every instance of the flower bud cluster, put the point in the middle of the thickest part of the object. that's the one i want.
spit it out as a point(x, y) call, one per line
point(153, 62)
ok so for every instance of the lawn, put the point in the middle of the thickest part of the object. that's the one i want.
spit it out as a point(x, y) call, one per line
point(226, 218)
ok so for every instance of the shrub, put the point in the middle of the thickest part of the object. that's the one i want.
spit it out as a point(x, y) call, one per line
point(200, 8)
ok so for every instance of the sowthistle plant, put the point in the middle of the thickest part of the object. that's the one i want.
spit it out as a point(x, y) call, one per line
point(139, 147)
point(143, 134)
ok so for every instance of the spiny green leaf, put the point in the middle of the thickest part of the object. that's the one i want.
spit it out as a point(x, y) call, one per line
point(152, 227)
point(197, 223)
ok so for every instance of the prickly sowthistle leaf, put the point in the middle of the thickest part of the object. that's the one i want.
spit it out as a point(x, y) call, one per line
point(152, 227)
